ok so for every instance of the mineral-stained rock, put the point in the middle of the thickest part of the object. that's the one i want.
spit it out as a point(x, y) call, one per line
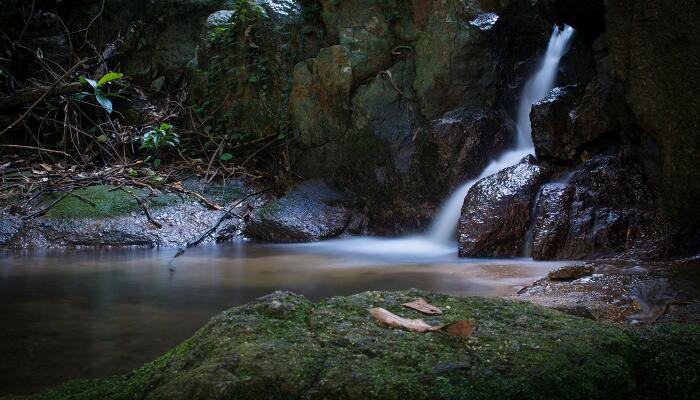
point(496, 211)
point(302, 215)
point(282, 346)
point(320, 96)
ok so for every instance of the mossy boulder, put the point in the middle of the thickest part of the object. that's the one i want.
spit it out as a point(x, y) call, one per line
point(102, 201)
point(283, 346)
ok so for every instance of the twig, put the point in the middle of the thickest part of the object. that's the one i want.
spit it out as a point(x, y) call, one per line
point(50, 206)
point(145, 208)
point(223, 217)
point(211, 161)
point(29, 110)
point(204, 200)
point(18, 146)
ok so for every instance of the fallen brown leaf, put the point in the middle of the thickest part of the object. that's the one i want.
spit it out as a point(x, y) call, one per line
point(422, 306)
point(462, 328)
point(387, 318)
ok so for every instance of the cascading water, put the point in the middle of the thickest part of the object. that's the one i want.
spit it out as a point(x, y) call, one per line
point(445, 225)
point(439, 240)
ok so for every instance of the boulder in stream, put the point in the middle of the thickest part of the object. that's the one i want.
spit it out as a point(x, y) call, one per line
point(304, 214)
point(496, 211)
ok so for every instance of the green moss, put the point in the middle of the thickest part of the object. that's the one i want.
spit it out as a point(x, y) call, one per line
point(283, 346)
point(108, 202)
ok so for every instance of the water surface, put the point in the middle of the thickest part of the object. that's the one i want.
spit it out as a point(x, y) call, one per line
point(94, 313)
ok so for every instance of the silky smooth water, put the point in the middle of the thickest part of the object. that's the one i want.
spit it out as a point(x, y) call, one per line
point(537, 87)
point(95, 313)
point(84, 314)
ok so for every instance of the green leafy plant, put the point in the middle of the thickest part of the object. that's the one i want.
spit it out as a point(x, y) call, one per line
point(157, 140)
point(98, 86)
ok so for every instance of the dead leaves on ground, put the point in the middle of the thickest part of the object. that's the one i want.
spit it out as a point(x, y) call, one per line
point(463, 328)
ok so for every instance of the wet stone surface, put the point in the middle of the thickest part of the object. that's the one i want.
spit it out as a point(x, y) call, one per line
point(302, 215)
point(624, 292)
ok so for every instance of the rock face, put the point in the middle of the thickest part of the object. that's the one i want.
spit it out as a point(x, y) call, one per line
point(605, 210)
point(569, 119)
point(656, 66)
point(282, 346)
point(302, 215)
point(496, 211)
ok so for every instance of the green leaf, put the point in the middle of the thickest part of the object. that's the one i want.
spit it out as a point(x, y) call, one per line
point(80, 96)
point(111, 76)
point(104, 102)
point(102, 138)
point(226, 156)
point(86, 81)
point(156, 163)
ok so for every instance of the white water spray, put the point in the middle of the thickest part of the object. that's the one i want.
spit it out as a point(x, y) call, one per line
point(445, 225)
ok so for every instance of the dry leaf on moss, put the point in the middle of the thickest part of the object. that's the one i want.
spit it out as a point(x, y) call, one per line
point(387, 318)
point(463, 328)
point(459, 328)
point(422, 306)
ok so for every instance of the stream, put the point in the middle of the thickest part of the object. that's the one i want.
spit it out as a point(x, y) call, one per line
point(93, 313)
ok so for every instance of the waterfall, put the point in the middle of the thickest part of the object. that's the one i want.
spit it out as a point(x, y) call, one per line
point(438, 242)
point(542, 82)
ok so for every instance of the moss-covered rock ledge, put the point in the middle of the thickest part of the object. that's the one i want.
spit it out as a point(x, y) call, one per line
point(283, 346)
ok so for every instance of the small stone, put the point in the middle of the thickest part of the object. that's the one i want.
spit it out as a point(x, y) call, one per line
point(570, 272)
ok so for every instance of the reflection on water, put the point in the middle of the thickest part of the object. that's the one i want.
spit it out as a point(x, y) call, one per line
point(94, 313)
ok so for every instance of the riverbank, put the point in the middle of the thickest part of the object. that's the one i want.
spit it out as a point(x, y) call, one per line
point(284, 346)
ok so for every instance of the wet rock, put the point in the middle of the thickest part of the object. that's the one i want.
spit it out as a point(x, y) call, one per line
point(550, 118)
point(220, 18)
point(570, 272)
point(605, 210)
point(624, 292)
point(496, 211)
point(334, 349)
point(467, 142)
point(551, 220)
point(117, 220)
point(10, 225)
point(568, 119)
point(302, 215)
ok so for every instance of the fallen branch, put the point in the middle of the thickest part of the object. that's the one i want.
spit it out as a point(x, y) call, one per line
point(144, 206)
point(179, 188)
point(223, 217)
point(28, 95)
